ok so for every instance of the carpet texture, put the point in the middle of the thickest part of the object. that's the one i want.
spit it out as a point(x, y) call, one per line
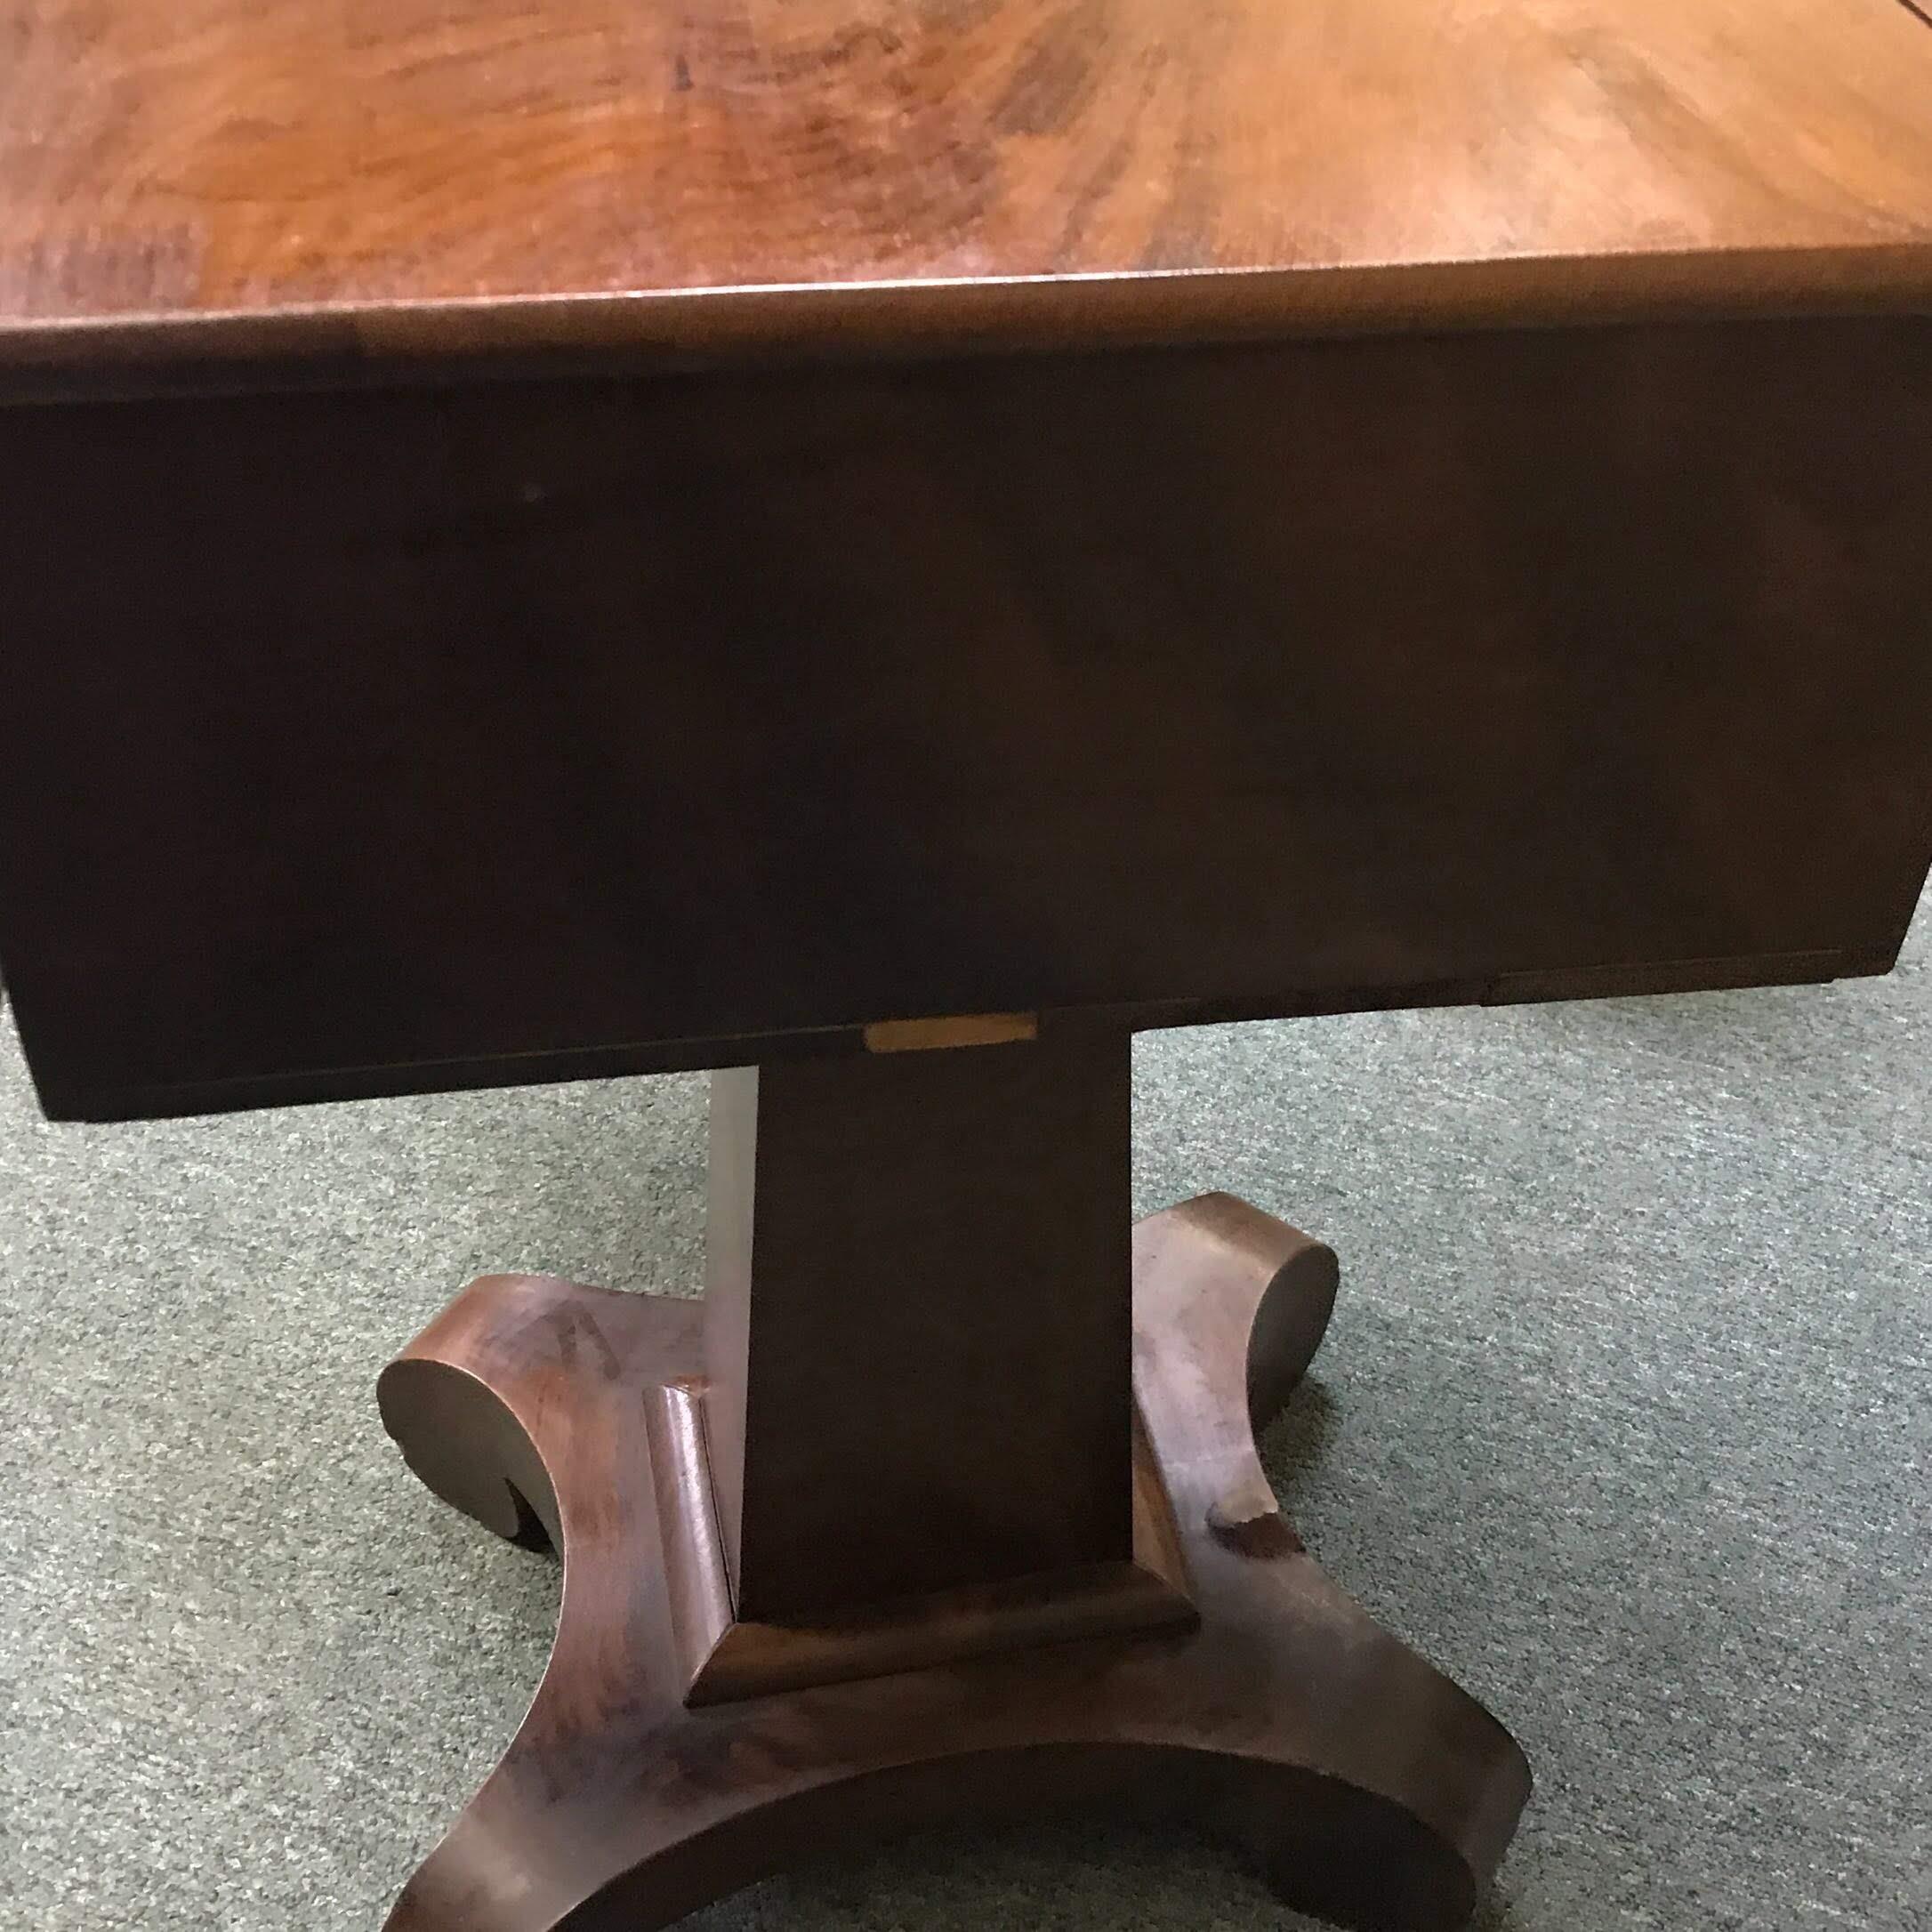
point(1625, 1419)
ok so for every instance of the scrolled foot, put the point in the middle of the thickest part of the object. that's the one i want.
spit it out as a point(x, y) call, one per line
point(1374, 1791)
point(1379, 1794)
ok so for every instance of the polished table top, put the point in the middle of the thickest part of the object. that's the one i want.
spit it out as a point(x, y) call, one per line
point(357, 177)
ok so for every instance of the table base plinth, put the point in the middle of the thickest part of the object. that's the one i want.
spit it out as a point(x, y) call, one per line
point(1375, 1792)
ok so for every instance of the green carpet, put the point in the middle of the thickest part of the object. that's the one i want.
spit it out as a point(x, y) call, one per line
point(1625, 1419)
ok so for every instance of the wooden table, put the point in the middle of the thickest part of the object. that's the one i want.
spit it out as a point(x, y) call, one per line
point(883, 548)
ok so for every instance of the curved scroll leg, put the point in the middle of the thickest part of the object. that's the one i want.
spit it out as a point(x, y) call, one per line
point(1377, 1792)
point(522, 1405)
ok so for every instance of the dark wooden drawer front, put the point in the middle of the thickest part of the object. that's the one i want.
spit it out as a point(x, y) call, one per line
point(608, 723)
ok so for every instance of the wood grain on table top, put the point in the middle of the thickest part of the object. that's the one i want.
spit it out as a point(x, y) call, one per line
point(419, 176)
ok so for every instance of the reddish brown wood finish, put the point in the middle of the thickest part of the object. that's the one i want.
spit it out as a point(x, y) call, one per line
point(966, 1418)
point(449, 729)
point(1373, 1789)
point(376, 742)
point(394, 179)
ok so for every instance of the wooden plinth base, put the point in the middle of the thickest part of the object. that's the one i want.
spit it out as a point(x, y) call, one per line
point(1220, 1673)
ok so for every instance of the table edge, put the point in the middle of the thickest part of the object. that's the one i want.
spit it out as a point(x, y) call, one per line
point(67, 357)
point(64, 1100)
